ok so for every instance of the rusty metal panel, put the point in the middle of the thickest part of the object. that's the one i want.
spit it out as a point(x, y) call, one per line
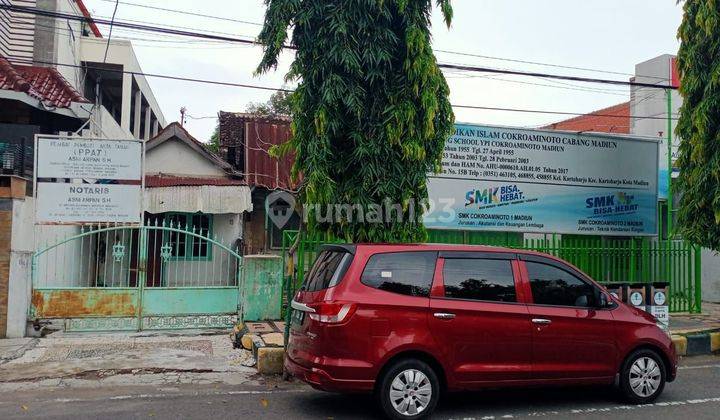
point(68, 303)
point(261, 168)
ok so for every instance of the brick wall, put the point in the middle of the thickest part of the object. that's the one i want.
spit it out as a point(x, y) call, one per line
point(5, 236)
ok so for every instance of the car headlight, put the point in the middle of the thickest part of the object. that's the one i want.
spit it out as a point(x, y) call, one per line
point(663, 327)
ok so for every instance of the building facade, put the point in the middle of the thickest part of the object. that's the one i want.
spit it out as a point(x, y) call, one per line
point(55, 78)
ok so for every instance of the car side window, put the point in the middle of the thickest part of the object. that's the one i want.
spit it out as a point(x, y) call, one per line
point(479, 279)
point(406, 273)
point(554, 286)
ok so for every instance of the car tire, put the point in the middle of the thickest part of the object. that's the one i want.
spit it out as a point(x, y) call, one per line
point(408, 390)
point(642, 377)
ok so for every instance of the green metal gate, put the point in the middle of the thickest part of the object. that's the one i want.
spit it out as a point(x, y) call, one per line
point(627, 260)
point(125, 278)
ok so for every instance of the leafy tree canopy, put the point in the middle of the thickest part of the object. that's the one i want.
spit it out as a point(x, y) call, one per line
point(370, 113)
point(277, 106)
point(699, 123)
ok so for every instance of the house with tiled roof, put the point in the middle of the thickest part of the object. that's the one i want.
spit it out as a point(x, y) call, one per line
point(188, 185)
point(613, 119)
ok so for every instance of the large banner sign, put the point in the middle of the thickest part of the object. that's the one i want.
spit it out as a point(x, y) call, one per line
point(506, 179)
point(84, 180)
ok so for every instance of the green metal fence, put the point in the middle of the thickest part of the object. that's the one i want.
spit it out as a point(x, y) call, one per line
point(608, 261)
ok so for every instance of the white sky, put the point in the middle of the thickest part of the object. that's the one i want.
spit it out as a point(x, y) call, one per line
point(609, 35)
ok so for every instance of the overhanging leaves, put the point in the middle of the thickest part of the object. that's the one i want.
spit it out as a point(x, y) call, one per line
point(699, 123)
point(371, 112)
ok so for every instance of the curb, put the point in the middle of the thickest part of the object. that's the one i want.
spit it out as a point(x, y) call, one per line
point(265, 341)
point(697, 343)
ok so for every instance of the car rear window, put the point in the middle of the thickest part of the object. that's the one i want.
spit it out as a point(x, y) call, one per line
point(406, 273)
point(328, 270)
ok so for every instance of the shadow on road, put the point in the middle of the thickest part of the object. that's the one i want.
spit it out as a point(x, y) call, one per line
point(466, 404)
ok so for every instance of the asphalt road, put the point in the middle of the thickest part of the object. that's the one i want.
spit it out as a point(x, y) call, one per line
point(694, 395)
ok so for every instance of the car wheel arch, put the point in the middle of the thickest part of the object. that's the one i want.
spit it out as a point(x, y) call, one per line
point(418, 354)
point(647, 346)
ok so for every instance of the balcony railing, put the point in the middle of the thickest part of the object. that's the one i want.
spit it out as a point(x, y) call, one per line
point(16, 158)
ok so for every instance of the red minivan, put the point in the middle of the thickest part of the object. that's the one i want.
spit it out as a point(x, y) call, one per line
point(409, 322)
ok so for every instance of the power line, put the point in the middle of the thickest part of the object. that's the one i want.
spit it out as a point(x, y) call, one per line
point(31, 10)
point(112, 20)
point(554, 76)
point(577, 114)
point(184, 12)
point(565, 86)
point(537, 63)
point(122, 24)
point(274, 89)
point(180, 27)
point(160, 76)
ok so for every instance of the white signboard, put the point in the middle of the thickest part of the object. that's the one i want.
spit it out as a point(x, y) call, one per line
point(506, 179)
point(97, 203)
point(88, 158)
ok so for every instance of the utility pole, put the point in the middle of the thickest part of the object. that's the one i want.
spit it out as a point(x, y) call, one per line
point(183, 110)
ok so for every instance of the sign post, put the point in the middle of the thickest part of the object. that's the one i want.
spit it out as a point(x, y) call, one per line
point(85, 181)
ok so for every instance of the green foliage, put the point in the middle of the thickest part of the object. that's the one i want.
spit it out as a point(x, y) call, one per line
point(277, 106)
point(214, 144)
point(371, 112)
point(699, 123)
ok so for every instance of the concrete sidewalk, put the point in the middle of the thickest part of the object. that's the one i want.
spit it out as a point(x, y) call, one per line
point(709, 319)
point(696, 334)
point(113, 359)
point(12, 348)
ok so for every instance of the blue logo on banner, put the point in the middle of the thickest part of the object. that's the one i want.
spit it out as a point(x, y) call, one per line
point(618, 203)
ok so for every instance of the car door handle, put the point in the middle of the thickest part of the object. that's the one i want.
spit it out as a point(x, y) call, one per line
point(444, 315)
point(541, 321)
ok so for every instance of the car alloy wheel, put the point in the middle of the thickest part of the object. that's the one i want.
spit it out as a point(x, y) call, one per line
point(642, 377)
point(645, 377)
point(410, 392)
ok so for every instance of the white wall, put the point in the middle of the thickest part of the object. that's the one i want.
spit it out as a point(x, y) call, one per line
point(121, 52)
point(220, 270)
point(21, 250)
point(176, 158)
point(648, 102)
point(16, 32)
point(110, 128)
point(67, 42)
point(653, 103)
point(710, 276)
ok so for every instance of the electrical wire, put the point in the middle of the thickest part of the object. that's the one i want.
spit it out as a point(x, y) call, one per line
point(36, 11)
point(112, 20)
point(183, 12)
point(554, 76)
point(460, 53)
point(537, 63)
point(275, 89)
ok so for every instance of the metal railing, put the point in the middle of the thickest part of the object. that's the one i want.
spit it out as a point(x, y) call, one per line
point(608, 261)
point(157, 255)
point(16, 158)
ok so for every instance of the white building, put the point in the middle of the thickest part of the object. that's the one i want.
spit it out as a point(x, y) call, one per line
point(125, 106)
point(55, 77)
